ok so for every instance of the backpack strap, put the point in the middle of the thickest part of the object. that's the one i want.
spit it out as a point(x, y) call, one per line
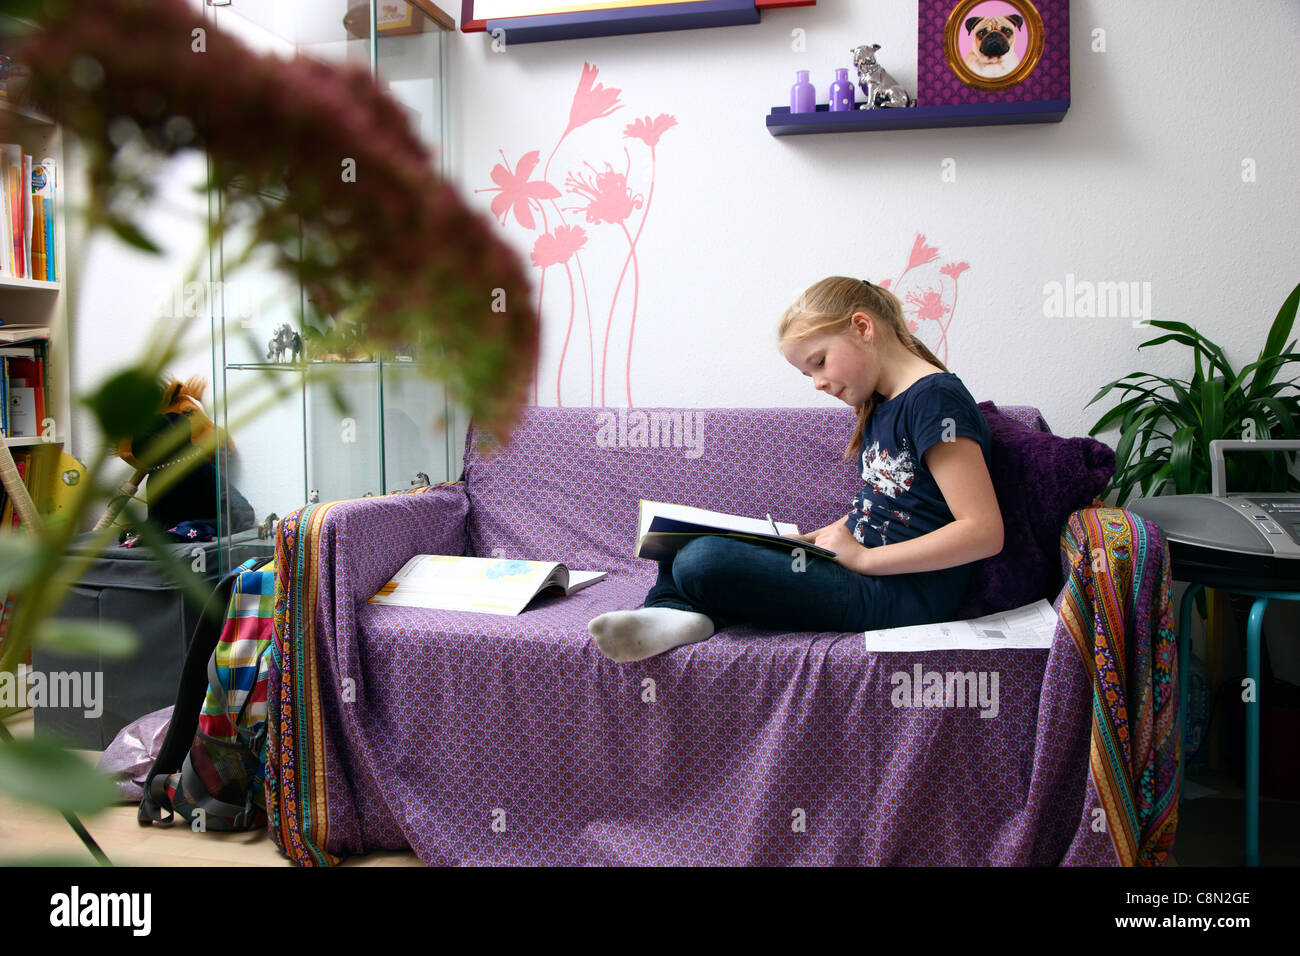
point(189, 701)
point(196, 791)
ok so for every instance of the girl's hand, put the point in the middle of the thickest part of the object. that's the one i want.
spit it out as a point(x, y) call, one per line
point(837, 538)
point(811, 536)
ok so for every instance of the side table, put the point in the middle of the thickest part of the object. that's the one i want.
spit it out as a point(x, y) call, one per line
point(1253, 629)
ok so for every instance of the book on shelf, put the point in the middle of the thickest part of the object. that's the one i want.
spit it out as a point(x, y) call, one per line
point(43, 190)
point(27, 226)
point(489, 585)
point(38, 469)
point(663, 529)
point(23, 386)
point(13, 334)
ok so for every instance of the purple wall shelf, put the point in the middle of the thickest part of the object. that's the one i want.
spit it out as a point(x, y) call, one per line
point(781, 122)
point(651, 18)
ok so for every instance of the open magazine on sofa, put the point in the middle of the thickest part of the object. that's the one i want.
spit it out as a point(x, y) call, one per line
point(490, 585)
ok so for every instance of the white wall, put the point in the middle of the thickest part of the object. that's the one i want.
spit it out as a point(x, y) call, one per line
point(1141, 182)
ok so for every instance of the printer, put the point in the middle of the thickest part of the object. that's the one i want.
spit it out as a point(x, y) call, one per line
point(1247, 539)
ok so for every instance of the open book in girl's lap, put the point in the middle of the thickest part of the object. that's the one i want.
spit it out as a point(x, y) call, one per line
point(663, 529)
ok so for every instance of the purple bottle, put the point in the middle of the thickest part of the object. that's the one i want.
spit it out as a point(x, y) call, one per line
point(803, 96)
point(842, 91)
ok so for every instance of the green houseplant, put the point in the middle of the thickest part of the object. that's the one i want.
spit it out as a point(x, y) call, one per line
point(1165, 436)
point(1166, 424)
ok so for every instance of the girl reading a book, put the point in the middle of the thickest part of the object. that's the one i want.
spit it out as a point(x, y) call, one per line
point(926, 511)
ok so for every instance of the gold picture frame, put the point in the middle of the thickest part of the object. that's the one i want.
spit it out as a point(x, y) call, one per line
point(982, 66)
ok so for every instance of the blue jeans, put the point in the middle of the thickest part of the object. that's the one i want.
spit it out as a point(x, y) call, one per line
point(736, 582)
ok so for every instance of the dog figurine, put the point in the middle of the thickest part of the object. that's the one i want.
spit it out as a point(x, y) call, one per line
point(993, 54)
point(881, 89)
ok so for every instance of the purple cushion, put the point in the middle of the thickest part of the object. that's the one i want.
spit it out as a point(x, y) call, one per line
point(1041, 479)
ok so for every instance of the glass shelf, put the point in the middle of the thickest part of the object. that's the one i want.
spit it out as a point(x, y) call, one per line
point(386, 430)
point(303, 366)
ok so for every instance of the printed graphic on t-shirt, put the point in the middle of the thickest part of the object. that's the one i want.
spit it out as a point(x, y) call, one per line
point(875, 519)
point(900, 498)
point(889, 475)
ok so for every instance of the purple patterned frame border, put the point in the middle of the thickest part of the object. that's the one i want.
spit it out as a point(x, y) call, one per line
point(937, 85)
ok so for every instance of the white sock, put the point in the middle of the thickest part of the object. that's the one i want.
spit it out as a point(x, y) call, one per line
point(635, 635)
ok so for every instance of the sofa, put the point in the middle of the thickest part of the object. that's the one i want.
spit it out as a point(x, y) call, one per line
point(479, 739)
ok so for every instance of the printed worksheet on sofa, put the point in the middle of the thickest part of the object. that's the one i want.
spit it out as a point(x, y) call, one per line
point(489, 585)
point(663, 529)
point(1031, 626)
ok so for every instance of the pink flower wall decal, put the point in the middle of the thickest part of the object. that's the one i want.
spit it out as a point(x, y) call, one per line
point(515, 192)
point(929, 304)
point(607, 199)
point(649, 130)
point(591, 102)
point(610, 199)
point(928, 291)
point(555, 248)
point(921, 253)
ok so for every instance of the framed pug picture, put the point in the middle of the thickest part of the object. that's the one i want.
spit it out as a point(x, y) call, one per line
point(993, 44)
point(993, 51)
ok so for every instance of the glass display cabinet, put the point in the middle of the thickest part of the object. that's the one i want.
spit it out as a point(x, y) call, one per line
point(305, 444)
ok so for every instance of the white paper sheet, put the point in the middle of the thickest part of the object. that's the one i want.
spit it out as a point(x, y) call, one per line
point(1031, 626)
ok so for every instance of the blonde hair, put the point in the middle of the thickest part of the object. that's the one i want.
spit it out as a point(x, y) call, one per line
point(827, 308)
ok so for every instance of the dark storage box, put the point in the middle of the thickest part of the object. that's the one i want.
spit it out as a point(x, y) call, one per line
point(126, 585)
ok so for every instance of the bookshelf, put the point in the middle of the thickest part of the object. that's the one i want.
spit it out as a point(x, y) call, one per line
point(31, 303)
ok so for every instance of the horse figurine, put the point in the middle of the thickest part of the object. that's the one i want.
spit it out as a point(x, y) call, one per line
point(284, 340)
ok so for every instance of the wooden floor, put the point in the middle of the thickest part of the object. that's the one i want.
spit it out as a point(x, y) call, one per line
point(1209, 832)
point(29, 832)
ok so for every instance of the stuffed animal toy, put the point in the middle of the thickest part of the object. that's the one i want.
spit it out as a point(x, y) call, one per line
point(194, 497)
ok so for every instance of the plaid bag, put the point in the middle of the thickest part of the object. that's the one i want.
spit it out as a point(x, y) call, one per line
point(219, 786)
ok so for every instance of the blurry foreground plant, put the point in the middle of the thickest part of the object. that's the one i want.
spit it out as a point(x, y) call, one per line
point(315, 163)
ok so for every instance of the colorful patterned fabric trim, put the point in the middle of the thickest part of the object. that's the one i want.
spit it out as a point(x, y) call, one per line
point(296, 768)
point(1117, 608)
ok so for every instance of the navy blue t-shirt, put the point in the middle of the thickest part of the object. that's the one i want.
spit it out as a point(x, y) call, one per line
point(901, 500)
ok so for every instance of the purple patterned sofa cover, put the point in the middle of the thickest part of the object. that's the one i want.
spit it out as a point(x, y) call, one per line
point(484, 739)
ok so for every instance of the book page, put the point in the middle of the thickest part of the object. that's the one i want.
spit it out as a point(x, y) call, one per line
point(489, 585)
point(717, 519)
point(580, 579)
point(449, 582)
